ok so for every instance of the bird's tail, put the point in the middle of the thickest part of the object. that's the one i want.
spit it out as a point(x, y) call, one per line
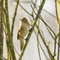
point(21, 43)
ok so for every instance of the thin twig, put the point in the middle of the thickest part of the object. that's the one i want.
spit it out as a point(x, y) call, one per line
point(14, 16)
point(25, 9)
point(56, 11)
point(50, 33)
point(49, 13)
point(41, 47)
point(49, 52)
point(58, 45)
point(43, 51)
point(25, 1)
point(16, 51)
point(38, 43)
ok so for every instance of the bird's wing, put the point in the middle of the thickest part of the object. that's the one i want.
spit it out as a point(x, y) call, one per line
point(18, 32)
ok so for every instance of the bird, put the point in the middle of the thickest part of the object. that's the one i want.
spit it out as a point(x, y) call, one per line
point(23, 29)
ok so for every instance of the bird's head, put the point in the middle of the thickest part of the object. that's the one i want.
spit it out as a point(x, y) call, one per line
point(24, 20)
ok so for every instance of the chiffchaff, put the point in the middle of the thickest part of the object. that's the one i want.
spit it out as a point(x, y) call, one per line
point(23, 29)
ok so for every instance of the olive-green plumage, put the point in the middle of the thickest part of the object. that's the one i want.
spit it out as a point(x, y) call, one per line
point(23, 29)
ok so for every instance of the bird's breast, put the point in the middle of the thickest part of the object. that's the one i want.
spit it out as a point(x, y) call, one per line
point(24, 29)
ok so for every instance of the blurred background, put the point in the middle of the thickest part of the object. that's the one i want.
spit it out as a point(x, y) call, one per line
point(49, 16)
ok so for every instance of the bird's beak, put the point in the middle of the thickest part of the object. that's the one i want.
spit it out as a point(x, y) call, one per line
point(20, 19)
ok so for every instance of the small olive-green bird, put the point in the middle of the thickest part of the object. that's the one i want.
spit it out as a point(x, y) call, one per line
point(23, 29)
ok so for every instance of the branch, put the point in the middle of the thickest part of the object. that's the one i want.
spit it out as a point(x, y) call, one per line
point(1, 31)
point(14, 16)
point(9, 43)
point(25, 10)
point(50, 54)
point(56, 11)
point(3, 8)
point(38, 41)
